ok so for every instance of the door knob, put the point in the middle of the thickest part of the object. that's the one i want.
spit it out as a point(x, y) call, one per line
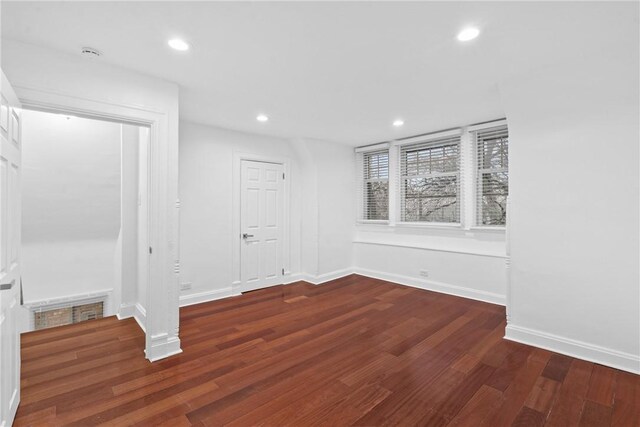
point(246, 236)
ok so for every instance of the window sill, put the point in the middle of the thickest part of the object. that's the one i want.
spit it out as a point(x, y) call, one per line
point(372, 222)
point(420, 227)
point(433, 225)
point(497, 229)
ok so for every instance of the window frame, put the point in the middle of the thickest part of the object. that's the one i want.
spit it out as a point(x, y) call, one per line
point(467, 183)
point(441, 139)
point(362, 154)
point(474, 204)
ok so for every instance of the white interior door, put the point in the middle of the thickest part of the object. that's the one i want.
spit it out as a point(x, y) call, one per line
point(10, 217)
point(261, 224)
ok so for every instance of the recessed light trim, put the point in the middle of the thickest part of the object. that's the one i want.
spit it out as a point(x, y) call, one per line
point(467, 34)
point(262, 118)
point(178, 44)
point(398, 122)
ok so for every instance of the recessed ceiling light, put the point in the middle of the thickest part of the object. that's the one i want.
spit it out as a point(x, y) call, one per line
point(398, 123)
point(468, 34)
point(262, 118)
point(178, 44)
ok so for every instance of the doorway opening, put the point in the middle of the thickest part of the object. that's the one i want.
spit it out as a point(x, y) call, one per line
point(84, 220)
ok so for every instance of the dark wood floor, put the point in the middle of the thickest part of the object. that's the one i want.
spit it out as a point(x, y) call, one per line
point(355, 351)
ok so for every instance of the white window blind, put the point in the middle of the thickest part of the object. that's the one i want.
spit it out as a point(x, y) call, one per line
point(430, 181)
point(375, 188)
point(492, 147)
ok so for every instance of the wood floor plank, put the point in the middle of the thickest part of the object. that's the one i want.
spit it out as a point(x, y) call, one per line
point(595, 415)
point(568, 406)
point(485, 401)
point(626, 408)
point(602, 385)
point(354, 351)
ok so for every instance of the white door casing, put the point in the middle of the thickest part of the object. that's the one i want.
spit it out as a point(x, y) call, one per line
point(10, 227)
point(261, 224)
point(162, 312)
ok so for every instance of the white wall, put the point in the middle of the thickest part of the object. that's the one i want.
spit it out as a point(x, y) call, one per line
point(465, 263)
point(334, 176)
point(574, 180)
point(142, 222)
point(71, 205)
point(206, 173)
point(321, 209)
point(76, 82)
point(126, 293)
point(468, 262)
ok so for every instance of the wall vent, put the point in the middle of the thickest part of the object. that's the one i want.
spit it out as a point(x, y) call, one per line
point(49, 314)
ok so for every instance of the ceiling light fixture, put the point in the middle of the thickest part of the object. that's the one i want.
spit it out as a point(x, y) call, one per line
point(398, 123)
point(178, 44)
point(262, 118)
point(468, 34)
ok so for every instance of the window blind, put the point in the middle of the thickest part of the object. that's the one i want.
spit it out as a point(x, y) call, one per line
point(375, 188)
point(430, 181)
point(492, 176)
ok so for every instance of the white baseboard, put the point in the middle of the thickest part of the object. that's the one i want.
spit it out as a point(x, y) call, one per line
point(574, 348)
point(207, 296)
point(162, 346)
point(432, 285)
point(140, 314)
point(319, 279)
point(125, 311)
point(133, 310)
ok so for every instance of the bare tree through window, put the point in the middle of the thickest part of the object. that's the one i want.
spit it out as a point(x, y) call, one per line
point(376, 185)
point(430, 175)
point(493, 176)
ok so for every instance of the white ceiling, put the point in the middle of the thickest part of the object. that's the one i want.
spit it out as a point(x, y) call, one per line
point(340, 71)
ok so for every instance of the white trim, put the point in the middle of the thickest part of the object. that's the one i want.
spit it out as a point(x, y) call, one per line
point(372, 222)
point(574, 348)
point(207, 296)
point(14, 402)
point(66, 299)
point(487, 125)
point(140, 314)
point(376, 147)
point(162, 346)
point(162, 289)
point(125, 311)
point(491, 229)
point(430, 248)
point(422, 224)
point(432, 285)
point(321, 278)
point(428, 137)
point(236, 181)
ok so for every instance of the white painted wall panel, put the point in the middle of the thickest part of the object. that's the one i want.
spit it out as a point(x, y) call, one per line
point(71, 204)
point(574, 149)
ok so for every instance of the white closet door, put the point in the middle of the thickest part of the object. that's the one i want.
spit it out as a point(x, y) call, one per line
point(261, 222)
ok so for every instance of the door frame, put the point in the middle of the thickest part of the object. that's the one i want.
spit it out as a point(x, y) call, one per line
point(236, 182)
point(162, 305)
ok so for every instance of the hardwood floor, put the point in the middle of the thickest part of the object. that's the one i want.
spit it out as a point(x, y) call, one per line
point(354, 351)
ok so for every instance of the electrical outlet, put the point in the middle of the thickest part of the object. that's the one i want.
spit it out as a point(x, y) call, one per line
point(185, 286)
point(424, 273)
